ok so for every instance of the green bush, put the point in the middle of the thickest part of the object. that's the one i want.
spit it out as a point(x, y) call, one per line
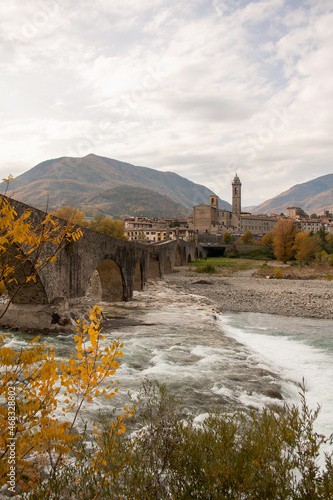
point(207, 268)
point(269, 454)
point(262, 253)
point(232, 254)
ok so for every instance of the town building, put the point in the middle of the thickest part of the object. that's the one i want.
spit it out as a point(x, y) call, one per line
point(311, 225)
point(210, 219)
point(156, 230)
point(294, 212)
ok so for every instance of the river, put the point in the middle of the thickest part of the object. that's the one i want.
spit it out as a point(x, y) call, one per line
point(206, 358)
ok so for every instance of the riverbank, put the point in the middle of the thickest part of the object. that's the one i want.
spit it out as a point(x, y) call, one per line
point(244, 292)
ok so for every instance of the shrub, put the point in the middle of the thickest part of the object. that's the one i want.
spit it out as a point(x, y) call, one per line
point(277, 273)
point(207, 268)
point(3, 289)
point(322, 257)
point(35, 377)
point(262, 253)
point(264, 454)
point(232, 254)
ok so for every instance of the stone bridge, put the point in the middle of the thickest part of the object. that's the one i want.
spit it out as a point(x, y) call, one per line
point(111, 269)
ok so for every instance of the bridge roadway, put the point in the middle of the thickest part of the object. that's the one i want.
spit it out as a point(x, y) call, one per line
point(111, 268)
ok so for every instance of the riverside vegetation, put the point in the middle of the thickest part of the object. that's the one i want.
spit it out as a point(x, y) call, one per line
point(164, 453)
point(310, 256)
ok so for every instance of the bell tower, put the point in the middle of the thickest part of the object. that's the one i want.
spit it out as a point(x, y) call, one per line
point(214, 201)
point(236, 195)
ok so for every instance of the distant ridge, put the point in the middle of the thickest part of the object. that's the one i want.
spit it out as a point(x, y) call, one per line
point(134, 201)
point(313, 196)
point(77, 181)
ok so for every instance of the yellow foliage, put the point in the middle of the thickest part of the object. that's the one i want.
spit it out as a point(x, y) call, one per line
point(36, 378)
point(284, 239)
point(247, 238)
point(267, 239)
point(32, 380)
point(307, 249)
point(277, 273)
point(108, 226)
point(70, 214)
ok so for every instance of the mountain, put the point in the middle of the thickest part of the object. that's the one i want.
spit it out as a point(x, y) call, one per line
point(130, 200)
point(313, 196)
point(74, 181)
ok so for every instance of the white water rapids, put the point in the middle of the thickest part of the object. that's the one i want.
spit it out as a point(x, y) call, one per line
point(208, 358)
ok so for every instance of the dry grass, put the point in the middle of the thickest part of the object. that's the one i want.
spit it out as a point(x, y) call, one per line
point(296, 272)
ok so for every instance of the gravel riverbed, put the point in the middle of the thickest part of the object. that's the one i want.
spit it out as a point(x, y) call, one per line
point(243, 292)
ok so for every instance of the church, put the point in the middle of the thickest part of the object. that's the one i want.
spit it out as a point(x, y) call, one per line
point(209, 219)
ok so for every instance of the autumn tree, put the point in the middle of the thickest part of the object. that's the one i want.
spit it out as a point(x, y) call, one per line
point(74, 215)
point(227, 238)
point(284, 239)
point(31, 381)
point(108, 226)
point(307, 249)
point(325, 240)
point(34, 438)
point(267, 240)
point(247, 238)
point(299, 237)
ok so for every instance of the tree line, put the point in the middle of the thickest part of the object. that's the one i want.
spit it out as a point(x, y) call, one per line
point(99, 222)
point(288, 243)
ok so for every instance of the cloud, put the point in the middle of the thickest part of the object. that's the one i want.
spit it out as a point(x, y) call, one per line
point(202, 88)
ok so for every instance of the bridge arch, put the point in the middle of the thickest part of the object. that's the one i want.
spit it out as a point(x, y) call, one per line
point(111, 280)
point(154, 271)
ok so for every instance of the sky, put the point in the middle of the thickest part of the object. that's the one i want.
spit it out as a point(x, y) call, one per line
point(203, 88)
